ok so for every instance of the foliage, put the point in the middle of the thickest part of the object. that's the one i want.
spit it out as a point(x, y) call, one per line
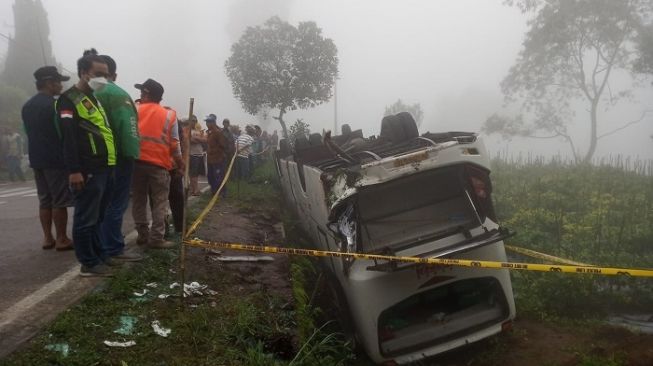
point(644, 63)
point(299, 129)
point(599, 215)
point(30, 48)
point(11, 102)
point(569, 55)
point(279, 66)
point(399, 106)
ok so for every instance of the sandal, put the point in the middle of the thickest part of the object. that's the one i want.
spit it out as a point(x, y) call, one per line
point(49, 246)
point(66, 246)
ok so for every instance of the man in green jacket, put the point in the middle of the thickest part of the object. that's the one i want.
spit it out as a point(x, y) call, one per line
point(122, 116)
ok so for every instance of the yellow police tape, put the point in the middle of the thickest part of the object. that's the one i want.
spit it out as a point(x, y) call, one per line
point(546, 257)
point(213, 201)
point(435, 261)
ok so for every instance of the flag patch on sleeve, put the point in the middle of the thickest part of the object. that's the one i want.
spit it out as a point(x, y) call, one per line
point(66, 114)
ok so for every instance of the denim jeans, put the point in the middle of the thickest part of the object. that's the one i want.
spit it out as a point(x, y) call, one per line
point(15, 171)
point(213, 175)
point(242, 165)
point(90, 205)
point(111, 236)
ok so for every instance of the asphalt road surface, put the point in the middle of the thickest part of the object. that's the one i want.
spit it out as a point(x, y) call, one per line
point(35, 284)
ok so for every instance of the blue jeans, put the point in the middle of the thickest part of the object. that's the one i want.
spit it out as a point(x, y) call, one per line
point(242, 165)
point(15, 171)
point(213, 175)
point(90, 204)
point(113, 242)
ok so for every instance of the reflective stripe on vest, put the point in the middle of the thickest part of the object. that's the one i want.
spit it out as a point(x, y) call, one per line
point(94, 113)
point(154, 125)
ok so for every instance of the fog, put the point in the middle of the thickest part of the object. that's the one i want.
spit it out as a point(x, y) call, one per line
point(449, 56)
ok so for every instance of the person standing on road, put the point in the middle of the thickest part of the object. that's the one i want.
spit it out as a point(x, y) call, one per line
point(122, 115)
point(244, 150)
point(215, 153)
point(14, 155)
point(89, 156)
point(176, 194)
point(159, 145)
point(45, 149)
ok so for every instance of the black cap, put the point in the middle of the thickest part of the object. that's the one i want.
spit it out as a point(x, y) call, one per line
point(49, 73)
point(151, 87)
point(211, 118)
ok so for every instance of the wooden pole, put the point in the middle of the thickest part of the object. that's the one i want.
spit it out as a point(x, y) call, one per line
point(186, 157)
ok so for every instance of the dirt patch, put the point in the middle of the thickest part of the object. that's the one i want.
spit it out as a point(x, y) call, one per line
point(533, 342)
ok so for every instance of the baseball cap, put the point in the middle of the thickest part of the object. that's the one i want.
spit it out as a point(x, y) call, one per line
point(49, 73)
point(152, 87)
point(211, 118)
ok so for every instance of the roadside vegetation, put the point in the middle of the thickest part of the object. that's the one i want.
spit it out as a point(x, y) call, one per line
point(596, 214)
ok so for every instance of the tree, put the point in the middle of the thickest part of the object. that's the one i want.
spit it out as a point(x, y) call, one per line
point(30, 47)
point(570, 54)
point(644, 63)
point(297, 130)
point(11, 102)
point(399, 106)
point(279, 66)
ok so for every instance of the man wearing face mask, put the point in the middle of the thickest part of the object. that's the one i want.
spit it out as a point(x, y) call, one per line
point(46, 157)
point(89, 156)
point(159, 134)
point(122, 115)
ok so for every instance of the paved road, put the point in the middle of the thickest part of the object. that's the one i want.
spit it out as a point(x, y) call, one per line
point(24, 266)
point(35, 284)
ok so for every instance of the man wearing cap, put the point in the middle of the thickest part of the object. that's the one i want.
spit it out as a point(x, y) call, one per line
point(122, 115)
point(215, 153)
point(89, 156)
point(159, 144)
point(45, 150)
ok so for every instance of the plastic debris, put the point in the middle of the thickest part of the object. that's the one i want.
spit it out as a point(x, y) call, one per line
point(152, 285)
point(158, 329)
point(62, 348)
point(126, 325)
point(163, 296)
point(139, 294)
point(174, 284)
point(194, 288)
point(120, 344)
point(211, 292)
point(245, 258)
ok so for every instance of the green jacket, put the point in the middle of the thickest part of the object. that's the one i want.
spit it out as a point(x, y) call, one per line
point(123, 118)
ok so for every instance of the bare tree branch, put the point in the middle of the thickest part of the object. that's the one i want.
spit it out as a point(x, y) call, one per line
point(641, 118)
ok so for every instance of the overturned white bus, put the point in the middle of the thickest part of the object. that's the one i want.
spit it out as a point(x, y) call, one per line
point(406, 195)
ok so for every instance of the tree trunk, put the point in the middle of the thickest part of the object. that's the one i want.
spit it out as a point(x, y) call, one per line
point(284, 130)
point(593, 132)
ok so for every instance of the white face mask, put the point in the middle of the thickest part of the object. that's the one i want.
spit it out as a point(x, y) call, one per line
point(97, 83)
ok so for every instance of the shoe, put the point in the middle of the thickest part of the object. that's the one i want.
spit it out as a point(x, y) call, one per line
point(128, 256)
point(113, 262)
point(142, 239)
point(98, 270)
point(161, 245)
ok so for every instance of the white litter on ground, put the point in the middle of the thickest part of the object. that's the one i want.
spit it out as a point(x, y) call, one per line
point(174, 284)
point(139, 294)
point(119, 344)
point(194, 288)
point(152, 285)
point(158, 329)
point(163, 296)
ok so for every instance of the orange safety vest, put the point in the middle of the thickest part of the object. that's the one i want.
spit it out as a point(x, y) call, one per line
point(154, 126)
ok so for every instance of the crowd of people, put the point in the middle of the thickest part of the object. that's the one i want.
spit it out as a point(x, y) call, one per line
point(94, 148)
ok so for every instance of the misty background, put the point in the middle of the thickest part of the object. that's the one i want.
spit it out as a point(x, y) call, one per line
point(449, 56)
